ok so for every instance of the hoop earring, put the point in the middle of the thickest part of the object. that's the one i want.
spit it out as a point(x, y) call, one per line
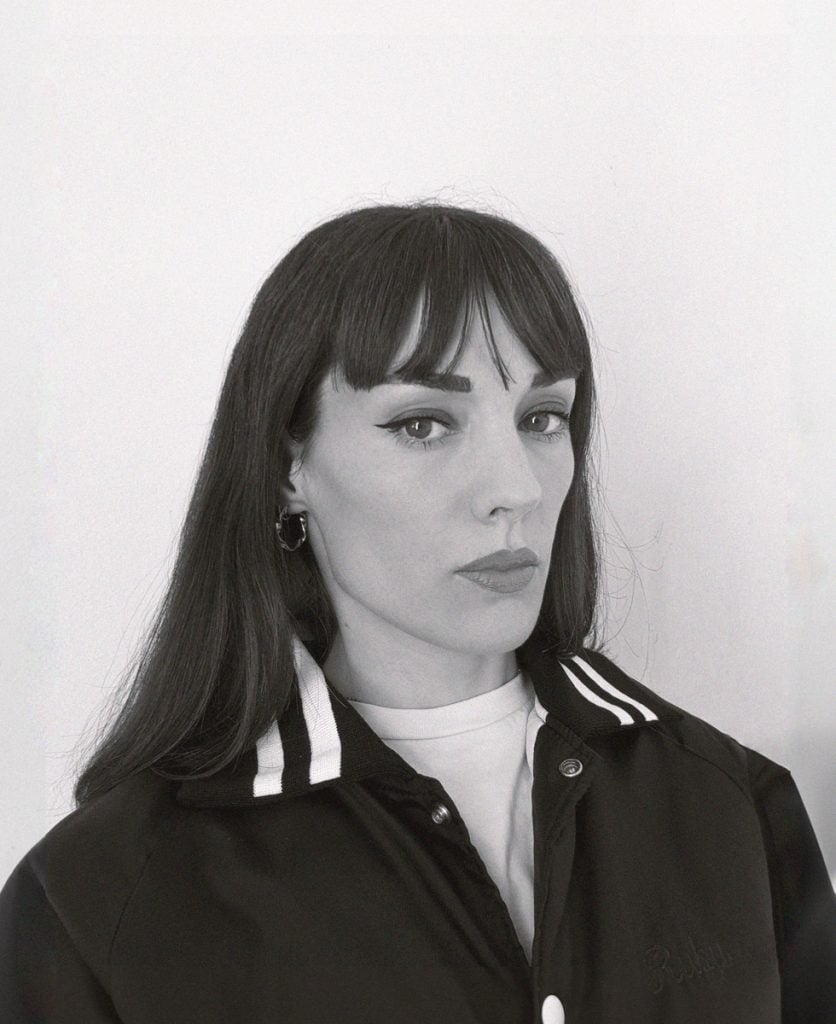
point(294, 524)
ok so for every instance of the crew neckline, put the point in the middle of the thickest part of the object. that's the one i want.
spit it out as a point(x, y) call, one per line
point(449, 719)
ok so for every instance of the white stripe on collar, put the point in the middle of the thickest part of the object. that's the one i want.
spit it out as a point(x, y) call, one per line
point(326, 748)
point(646, 713)
point(624, 717)
point(321, 726)
point(270, 752)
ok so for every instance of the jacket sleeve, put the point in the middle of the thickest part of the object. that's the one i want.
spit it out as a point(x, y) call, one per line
point(43, 979)
point(803, 901)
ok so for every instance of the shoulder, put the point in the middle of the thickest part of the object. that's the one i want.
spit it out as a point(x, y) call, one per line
point(118, 830)
point(688, 762)
point(86, 868)
point(727, 804)
point(686, 736)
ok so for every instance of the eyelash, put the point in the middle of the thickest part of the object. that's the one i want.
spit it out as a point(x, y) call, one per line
point(396, 426)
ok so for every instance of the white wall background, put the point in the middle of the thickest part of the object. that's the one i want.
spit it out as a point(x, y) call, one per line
point(161, 157)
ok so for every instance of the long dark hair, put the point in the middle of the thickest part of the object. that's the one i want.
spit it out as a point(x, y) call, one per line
point(217, 666)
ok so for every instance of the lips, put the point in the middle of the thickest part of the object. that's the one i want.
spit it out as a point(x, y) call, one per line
point(503, 561)
point(505, 572)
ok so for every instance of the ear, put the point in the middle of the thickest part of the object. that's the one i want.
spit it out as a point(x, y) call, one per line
point(291, 488)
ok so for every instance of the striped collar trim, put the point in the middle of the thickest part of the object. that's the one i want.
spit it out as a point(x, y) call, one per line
point(594, 689)
point(323, 736)
point(320, 739)
point(591, 696)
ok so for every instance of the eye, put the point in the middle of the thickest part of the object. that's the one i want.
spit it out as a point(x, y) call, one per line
point(550, 424)
point(424, 430)
point(420, 428)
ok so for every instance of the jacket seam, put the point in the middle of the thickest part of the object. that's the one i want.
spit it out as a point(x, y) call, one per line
point(30, 867)
point(161, 836)
point(703, 757)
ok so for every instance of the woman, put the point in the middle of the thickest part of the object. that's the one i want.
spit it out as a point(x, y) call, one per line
point(372, 766)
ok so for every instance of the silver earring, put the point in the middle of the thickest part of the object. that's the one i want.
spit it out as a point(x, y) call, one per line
point(291, 529)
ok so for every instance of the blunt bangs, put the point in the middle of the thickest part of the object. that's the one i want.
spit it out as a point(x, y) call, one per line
point(451, 262)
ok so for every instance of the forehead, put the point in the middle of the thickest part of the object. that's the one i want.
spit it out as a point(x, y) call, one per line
point(486, 346)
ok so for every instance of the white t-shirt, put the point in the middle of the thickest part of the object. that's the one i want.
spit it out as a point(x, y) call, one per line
point(480, 750)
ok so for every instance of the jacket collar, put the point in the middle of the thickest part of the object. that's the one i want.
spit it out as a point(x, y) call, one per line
point(320, 739)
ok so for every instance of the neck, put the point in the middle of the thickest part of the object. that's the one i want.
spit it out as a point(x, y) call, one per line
point(404, 672)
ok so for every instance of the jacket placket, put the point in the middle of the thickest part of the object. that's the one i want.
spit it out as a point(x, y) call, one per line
point(557, 789)
point(447, 835)
point(564, 770)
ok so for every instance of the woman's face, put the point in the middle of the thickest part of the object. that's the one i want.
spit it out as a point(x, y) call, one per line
point(405, 484)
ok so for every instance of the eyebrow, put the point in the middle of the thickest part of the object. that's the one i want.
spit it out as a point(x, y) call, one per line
point(454, 382)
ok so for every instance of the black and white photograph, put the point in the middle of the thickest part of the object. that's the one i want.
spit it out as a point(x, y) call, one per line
point(417, 535)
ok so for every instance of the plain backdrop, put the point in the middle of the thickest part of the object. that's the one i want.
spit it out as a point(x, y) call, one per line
point(160, 158)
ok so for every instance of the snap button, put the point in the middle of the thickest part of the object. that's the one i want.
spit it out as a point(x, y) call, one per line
point(571, 767)
point(440, 814)
point(552, 1012)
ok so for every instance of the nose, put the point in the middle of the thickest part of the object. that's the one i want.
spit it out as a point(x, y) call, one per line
point(504, 481)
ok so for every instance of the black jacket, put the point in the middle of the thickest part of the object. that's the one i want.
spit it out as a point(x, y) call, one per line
point(677, 880)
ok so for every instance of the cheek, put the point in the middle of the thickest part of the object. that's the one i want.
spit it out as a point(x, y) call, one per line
point(556, 479)
point(373, 518)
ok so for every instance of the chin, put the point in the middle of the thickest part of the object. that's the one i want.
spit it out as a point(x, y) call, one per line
point(495, 633)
